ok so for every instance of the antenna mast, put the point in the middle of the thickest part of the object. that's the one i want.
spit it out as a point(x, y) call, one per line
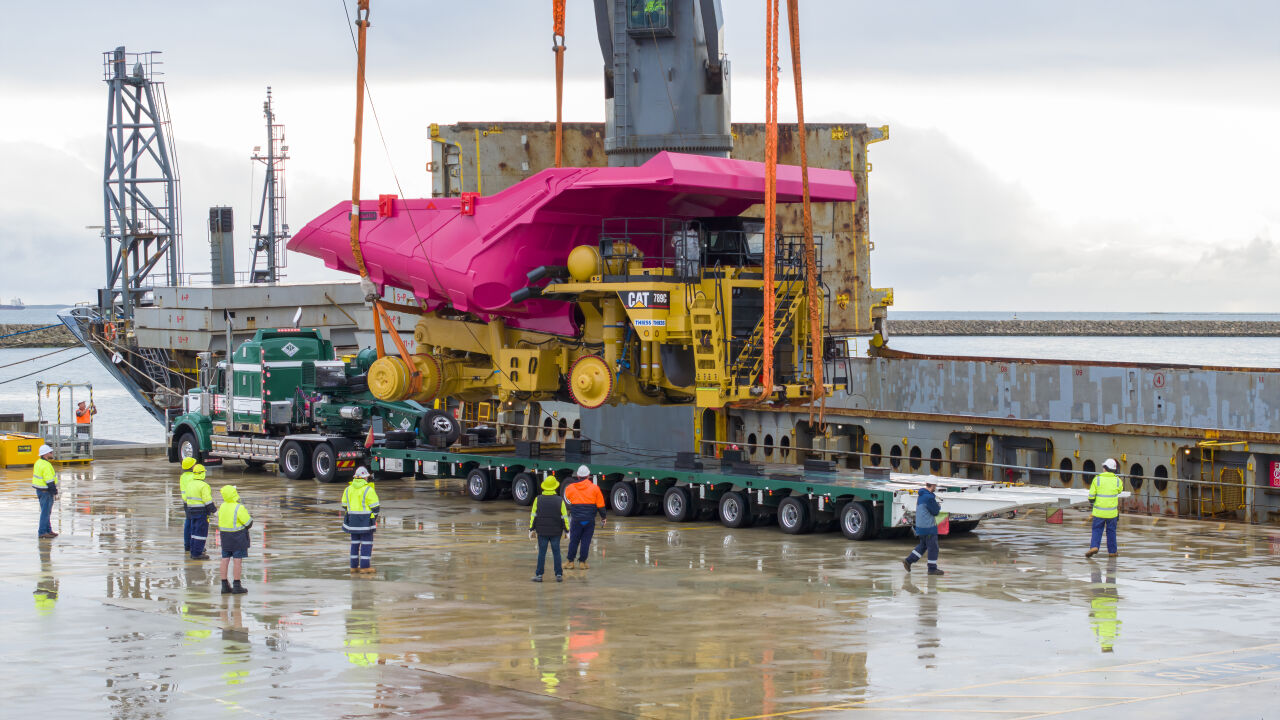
point(269, 236)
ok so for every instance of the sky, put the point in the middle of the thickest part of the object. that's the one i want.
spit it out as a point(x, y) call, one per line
point(1083, 156)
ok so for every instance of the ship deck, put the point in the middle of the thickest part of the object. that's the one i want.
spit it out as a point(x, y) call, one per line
point(671, 621)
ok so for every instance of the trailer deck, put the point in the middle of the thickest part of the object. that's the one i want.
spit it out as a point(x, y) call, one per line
point(863, 504)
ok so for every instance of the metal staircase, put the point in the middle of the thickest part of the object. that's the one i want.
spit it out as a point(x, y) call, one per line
point(788, 298)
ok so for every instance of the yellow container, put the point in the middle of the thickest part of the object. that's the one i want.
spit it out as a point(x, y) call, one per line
point(19, 449)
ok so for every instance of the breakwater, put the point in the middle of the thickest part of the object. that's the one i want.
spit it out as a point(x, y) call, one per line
point(27, 335)
point(1127, 328)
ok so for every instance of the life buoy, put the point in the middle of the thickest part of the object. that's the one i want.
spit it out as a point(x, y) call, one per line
point(109, 330)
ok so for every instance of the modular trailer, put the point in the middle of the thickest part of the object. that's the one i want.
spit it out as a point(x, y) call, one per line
point(799, 498)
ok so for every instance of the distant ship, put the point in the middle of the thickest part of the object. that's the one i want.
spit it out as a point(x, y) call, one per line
point(14, 304)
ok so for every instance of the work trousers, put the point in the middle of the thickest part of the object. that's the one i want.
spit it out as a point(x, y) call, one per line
point(186, 532)
point(552, 541)
point(927, 543)
point(46, 507)
point(199, 533)
point(362, 549)
point(580, 534)
point(1108, 524)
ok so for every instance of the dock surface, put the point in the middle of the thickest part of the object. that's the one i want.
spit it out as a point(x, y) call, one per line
point(672, 621)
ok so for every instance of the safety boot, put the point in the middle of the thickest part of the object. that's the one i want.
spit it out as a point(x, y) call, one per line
point(569, 565)
point(936, 571)
point(201, 556)
point(1090, 552)
point(237, 588)
point(537, 578)
point(1114, 554)
point(368, 570)
point(226, 588)
point(584, 565)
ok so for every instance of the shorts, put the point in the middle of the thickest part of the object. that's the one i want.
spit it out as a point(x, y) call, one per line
point(238, 554)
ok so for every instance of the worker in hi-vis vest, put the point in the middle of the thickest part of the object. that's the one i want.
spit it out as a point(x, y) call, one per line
point(234, 522)
point(585, 501)
point(45, 480)
point(360, 518)
point(197, 501)
point(549, 519)
point(183, 479)
point(1104, 493)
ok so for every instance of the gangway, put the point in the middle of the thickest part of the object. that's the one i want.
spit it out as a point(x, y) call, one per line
point(72, 442)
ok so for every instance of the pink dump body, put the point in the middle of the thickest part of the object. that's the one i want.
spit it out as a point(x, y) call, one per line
point(475, 262)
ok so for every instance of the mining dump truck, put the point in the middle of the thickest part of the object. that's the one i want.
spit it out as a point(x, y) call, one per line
point(285, 398)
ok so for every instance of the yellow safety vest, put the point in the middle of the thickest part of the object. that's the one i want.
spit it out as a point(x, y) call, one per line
point(197, 493)
point(185, 478)
point(1104, 491)
point(229, 515)
point(42, 473)
point(359, 501)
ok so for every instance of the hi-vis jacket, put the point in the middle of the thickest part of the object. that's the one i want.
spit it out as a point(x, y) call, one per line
point(1104, 493)
point(360, 501)
point(234, 520)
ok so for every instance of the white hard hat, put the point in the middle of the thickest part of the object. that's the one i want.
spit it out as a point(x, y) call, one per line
point(584, 471)
point(362, 472)
point(1110, 464)
point(45, 450)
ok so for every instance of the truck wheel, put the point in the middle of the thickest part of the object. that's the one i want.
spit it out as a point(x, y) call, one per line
point(793, 516)
point(735, 511)
point(524, 489)
point(480, 485)
point(295, 461)
point(324, 463)
point(623, 499)
point(436, 422)
point(189, 447)
point(855, 521)
point(677, 505)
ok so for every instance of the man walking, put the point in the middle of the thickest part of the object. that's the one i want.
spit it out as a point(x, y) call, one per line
point(549, 519)
point(360, 518)
point(45, 480)
point(197, 500)
point(585, 501)
point(183, 479)
point(1104, 493)
point(233, 529)
point(927, 511)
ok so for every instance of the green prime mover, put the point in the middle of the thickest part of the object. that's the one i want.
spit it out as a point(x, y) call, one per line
point(286, 399)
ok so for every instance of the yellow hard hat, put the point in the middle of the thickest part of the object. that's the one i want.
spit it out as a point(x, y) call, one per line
point(197, 469)
point(187, 462)
point(550, 484)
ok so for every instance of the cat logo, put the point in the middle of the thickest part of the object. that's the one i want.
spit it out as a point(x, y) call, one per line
point(646, 299)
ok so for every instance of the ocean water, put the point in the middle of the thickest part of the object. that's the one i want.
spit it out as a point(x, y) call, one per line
point(32, 314)
point(1141, 316)
point(1221, 351)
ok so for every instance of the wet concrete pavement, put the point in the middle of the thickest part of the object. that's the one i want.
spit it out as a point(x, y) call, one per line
point(671, 621)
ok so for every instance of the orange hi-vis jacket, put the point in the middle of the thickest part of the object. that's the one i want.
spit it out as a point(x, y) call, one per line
point(584, 499)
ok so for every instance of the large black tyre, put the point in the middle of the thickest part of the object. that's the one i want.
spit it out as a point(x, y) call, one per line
point(856, 522)
point(964, 526)
point(481, 486)
point(677, 505)
point(735, 510)
point(295, 460)
point(794, 517)
point(189, 447)
point(623, 499)
point(400, 436)
point(324, 463)
point(524, 489)
point(436, 422)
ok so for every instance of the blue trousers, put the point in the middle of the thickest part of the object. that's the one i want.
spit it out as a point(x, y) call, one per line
point(1109, 524)
point(46, 507)
point(361, 550)
point(186, 532)
point(928, 543)
point(199, 533)
point(580, 533)
point(552, 541)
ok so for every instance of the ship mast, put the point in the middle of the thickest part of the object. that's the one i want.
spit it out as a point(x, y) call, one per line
point(272, 230)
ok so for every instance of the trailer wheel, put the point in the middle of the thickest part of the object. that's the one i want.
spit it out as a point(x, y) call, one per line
point(324, 463)
point(677, 505)
point(966, 526)
point(481, 486)
point(524, 489)
point(295, 461)
point(623, 499)
point(855, 521)
point(735, 511)
point(189, 447)
point(436, 422)
point(793, 516)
